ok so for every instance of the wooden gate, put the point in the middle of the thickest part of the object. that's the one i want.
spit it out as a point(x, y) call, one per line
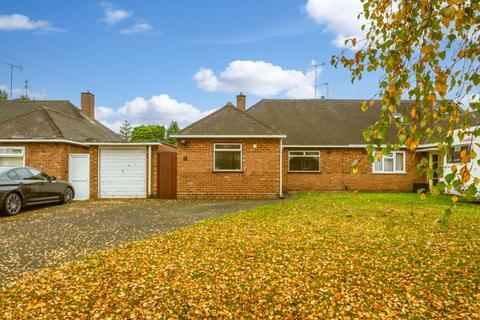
point(167, 175)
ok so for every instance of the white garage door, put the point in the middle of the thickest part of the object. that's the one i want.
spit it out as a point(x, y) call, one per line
point(123, 173)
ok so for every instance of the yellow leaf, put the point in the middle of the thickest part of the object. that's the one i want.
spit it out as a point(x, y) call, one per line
point(454, 199)
point(426, 49)
point(453, 168)
point(473, 154)
point(413, 112)
point(364, 106)
point(465, 173)
point(464, 156)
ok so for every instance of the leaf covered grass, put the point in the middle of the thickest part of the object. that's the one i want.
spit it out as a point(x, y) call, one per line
point(326, 255)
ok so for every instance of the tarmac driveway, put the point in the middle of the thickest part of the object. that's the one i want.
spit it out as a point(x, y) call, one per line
point(48, 236)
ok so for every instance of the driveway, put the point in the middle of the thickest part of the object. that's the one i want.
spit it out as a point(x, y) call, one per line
point(45, 237)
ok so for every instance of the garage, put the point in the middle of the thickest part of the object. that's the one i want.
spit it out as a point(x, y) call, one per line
point(123, 172)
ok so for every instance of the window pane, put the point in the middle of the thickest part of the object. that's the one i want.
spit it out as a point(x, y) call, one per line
point(11, 151)
point(378, 165)
point(23, 173)
point(399, 162)
point(312, 153)
point(388, 164)
point(454, 154)
point(296, 153)
point(311, 164)
point(304, 164)
point(227, 146)
point(11, 161)
point(227, 160)
point(12, 175)
point(296, 163)
point(38, 175)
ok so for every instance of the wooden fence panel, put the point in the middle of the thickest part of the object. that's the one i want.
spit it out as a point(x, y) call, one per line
point(167, 175)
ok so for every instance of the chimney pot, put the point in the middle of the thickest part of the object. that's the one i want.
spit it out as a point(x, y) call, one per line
point(87, 103)
point(241, 101)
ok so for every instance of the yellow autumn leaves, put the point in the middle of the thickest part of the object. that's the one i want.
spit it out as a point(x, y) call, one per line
point(320, 256)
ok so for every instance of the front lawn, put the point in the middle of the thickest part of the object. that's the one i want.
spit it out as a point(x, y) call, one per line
point(328, 255)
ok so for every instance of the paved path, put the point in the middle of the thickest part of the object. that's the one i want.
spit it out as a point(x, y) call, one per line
point(45, 237)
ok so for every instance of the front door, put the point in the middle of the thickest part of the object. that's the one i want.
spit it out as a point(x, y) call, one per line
point(434, 166)
point(79, 174)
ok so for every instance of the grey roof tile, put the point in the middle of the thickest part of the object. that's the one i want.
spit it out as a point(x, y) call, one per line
point(229, 121)
point(50, 120)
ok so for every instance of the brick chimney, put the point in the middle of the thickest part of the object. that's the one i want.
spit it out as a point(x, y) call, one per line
point(88, 104)
point(241, 100)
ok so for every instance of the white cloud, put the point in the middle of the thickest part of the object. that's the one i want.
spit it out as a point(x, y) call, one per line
point(339, 17)
point(17, 92)
point(139, 27)
point(20, 22)
point(159, 109)
point(112, 15)
point(259, 78)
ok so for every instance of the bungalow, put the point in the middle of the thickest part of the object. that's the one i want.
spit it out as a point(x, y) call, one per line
point(68, 143)
point(290, 145)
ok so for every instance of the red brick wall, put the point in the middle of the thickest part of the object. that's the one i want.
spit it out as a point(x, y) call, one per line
point(93, 172)
point(166, 148)
point(49, 157)
point(259, 179)
point(155, 150)
point(336, 173)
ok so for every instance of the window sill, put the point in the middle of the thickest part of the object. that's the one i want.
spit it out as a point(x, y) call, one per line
point(303, 171)
point(227, 171)
point(399, 172)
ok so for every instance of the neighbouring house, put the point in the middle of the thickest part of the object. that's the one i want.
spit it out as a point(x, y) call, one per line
point(292, 145)
point(68, 143)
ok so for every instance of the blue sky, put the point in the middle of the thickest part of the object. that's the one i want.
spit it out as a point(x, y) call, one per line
point(154, 61)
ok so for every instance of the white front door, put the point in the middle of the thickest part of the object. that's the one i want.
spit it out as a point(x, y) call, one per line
point(123, 173)
point(79, 174)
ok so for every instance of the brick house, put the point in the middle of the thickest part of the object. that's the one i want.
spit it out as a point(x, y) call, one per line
point(68, 143)
point(292, 145)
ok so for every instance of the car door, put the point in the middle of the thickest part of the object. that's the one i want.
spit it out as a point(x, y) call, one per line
point(28, 186)
point(46, 187)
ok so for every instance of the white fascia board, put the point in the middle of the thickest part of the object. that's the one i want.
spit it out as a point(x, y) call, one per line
point(231, 136)
point(85, 144)
point(324, 146)
point(125, 144)
point(45, 141)
point(285, 146)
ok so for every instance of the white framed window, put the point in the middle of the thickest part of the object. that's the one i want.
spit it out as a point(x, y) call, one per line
point(454, 154)
point(394, 162)
point(12, 156)
point(303, 161)
point(227, 157)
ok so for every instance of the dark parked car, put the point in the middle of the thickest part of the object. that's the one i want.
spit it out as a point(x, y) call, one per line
point(22, 186)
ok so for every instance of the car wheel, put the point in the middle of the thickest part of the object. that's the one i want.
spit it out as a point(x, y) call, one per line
point(68, 195)
point(13, 204)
